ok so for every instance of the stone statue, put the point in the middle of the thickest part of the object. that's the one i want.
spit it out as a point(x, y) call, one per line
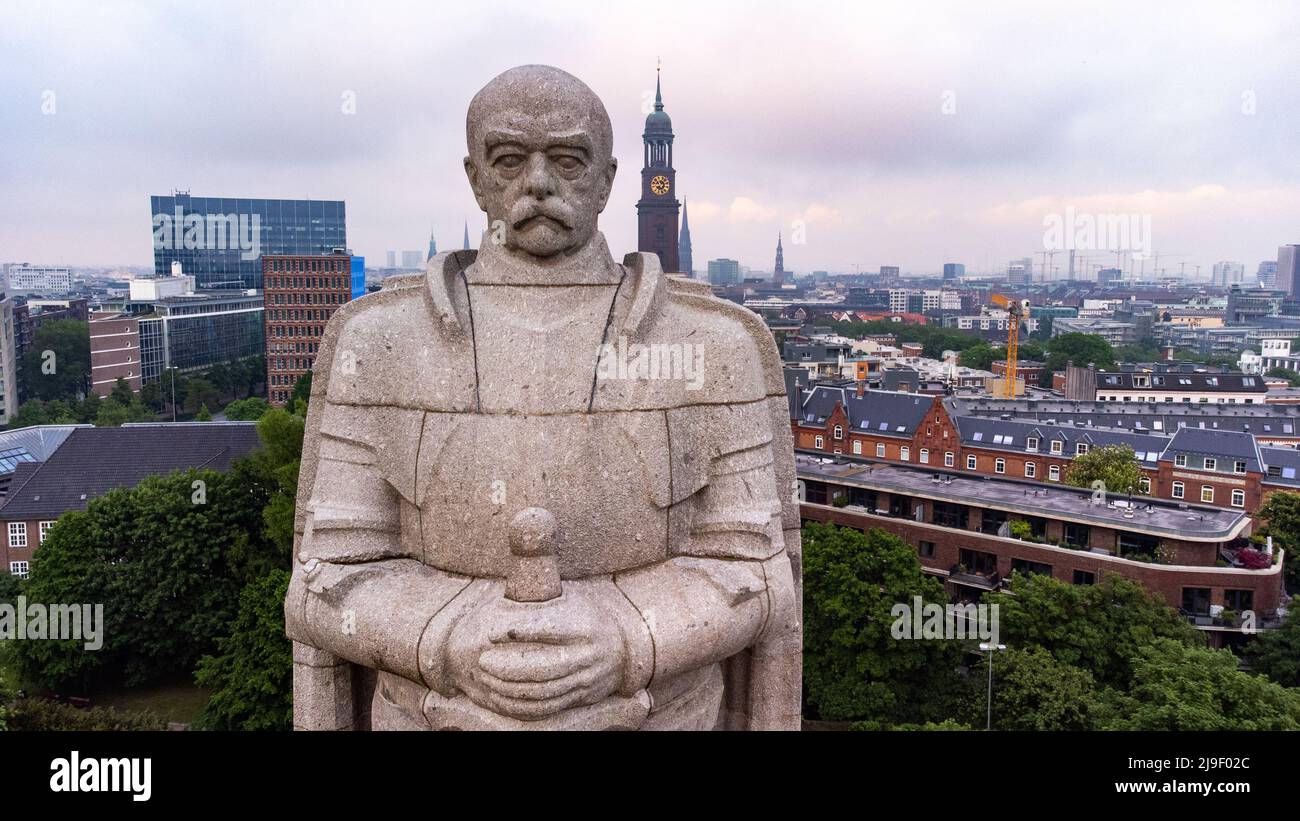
point(540, 489)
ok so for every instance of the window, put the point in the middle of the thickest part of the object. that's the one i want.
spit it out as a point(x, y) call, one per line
point(17, 534)
point(1080, 449)
point(1239, 466)
point(45, 528)
point(819, 443)
point(1084, 577)
point(1031, 443)
point(857, 447)
point(1207, 493)
point(1211, 464)
point(926, 549)
point(1144, 484)
point(880, 450)
point(1054, 473)
point(905, 453)
point(925, 456)
point(1056, 446)
point(1031, 470)
point(1180, 460)
point(948, 459)
point(1026, 567)
point(1239, 600)
point(1177, 490)
point(839, 431)
point(999, 465)
point(18, 569)
point(1238, 498)
point(1076, 534)
point(970, 462)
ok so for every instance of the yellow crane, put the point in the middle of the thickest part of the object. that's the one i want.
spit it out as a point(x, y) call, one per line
point(1015, 312)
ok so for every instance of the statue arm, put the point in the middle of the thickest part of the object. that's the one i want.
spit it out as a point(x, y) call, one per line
point(730, 585)
point(356, 591)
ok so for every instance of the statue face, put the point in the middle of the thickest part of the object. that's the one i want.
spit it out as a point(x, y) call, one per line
point(539, 162)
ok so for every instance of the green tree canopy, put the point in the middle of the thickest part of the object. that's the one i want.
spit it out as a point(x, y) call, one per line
point(1079, 349)
point(57, 366)
point(247, 410)
point(1115, 465)
point(1276, 653)
point(854, 669)
point(1280, 516)
point(1032, 690)
point(1097, 627)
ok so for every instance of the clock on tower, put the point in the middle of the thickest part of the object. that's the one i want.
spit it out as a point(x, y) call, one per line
point(658, 207)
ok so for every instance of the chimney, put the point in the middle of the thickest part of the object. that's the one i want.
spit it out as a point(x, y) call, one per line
point(862, 388)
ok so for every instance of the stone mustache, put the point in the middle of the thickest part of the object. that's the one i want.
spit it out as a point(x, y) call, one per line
point(494, 532)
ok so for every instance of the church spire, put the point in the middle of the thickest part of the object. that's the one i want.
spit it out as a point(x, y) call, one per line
point(684, 245)
point(659, 97)
point(433, 246)
point(466, 235)
point(778, 274)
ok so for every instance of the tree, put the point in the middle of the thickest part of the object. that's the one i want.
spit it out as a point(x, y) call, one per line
point(981, 356)
point(1032, 690)
point(203, 414)
point(252, 672)
point(1274, 653)
point(1079, 349)
point(200, 392)
point(167, 566)
point(854, 669)
point(1114, 465)
point(152, 396)
point(247, 410)
point(1096, 627)
point(57, 366)
point(301, 390)
point(1281, 520)
point(1176, 686)
point(1289, 375)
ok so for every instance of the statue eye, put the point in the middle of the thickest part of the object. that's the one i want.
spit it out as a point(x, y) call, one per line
point(568, 163)
point(509, 162)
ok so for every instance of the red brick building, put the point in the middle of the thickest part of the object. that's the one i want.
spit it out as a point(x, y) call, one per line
point(302, 293)
point(114, 352)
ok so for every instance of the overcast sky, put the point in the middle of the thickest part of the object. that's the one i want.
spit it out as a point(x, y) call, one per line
point(836, 115)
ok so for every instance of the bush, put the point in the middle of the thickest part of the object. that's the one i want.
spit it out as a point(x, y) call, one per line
point(41, 715)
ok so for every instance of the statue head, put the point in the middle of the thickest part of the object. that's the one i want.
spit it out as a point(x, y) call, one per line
point(540, 159)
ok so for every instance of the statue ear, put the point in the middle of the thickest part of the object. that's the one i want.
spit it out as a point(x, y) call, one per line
point(608, 182)
point(471, 171)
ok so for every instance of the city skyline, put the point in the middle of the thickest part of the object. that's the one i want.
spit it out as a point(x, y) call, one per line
point(928, 161)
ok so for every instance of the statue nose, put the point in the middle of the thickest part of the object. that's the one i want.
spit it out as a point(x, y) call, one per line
point(539, 181)
point(535, 572)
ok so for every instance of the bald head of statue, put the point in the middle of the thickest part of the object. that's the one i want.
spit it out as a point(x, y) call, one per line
point(540, 160)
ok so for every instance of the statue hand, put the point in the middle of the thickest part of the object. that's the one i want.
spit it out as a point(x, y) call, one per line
point(529, 660)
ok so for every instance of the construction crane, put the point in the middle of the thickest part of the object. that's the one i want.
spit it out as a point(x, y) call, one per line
point(1015, 312)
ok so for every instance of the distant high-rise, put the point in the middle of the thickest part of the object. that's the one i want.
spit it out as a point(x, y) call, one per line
point(1228, 273)
point(1105, 275)
point(38, 279)
point(656, 211)
point(724, 272)
point(953, 270)
point(218, 240)
point(392, 259)
point(410, 259)
point(1020, 272)
point(1288, 269)
point(684, 246)
point(778, 271)
point(433, 247)
point(889, 270)
point(1267, 274)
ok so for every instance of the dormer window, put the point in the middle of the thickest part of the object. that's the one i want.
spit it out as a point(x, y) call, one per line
point(1211, 464)
point(1180, 460)
point(1031, 443)
point(1057, 446)
point(839, 431)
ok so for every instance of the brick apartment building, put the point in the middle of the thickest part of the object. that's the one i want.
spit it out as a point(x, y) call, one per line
point(302, 293)
point(114, 352)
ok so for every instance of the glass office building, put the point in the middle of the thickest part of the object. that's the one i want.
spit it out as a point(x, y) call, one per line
point(219, 240)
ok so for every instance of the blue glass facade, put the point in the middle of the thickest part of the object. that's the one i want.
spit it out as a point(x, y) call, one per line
point(219, 240)
point(358, 277)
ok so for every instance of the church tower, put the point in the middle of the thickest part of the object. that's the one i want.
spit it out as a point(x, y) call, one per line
point(778, 273)
point(657, 209)
point(684, 245)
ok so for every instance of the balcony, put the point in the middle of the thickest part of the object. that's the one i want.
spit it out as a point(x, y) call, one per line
point(960, 574)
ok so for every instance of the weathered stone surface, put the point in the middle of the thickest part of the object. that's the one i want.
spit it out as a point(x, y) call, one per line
point(541, 489)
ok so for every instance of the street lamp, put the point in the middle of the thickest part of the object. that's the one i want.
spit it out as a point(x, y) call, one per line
point(988, 648)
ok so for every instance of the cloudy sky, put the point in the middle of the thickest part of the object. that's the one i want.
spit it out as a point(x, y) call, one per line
point(896, 133)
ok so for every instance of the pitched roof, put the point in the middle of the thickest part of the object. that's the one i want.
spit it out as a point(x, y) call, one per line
point(1225, 446)
point(31, 444)
point(93, 461)
point(1013, 434)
